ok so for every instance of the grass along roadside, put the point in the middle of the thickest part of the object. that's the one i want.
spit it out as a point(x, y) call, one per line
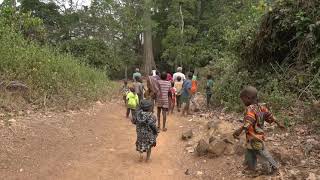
point(53, 79)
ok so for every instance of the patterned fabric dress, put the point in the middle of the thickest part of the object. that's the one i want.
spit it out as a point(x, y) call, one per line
point(146, 131)
point(163, 99)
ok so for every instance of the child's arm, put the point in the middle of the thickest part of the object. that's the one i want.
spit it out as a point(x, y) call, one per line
point(238, 132)
point(281, 126)
point(270, 119)
point(152, 125)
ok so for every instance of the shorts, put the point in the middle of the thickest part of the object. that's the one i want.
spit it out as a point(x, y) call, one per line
point(185, 99)
point(163, 109)
point(251, 159)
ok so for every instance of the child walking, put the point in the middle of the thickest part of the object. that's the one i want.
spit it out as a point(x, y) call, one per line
point(186, 95)
point(139, 87)
point(146, 129)
point(172, 97)
point(163, 100)
point(209, 91)
point(125, 90)
point(255, 116)
point(132, 103)
point(178, 87)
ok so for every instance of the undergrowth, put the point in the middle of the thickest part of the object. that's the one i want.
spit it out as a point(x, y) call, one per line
point(52, 78)
point(277, 52)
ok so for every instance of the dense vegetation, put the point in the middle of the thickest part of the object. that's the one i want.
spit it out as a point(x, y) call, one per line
point(271, 44)
point(52, 78)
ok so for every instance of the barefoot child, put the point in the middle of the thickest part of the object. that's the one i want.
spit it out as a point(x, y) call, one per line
point(186, 94)
point(209, 87)
point(139, 87)
point(125, 90)
point(178, 87)
point(255, 116)
point(132, 102)
point(146, 129)
point(172, 97)
point(163, 100)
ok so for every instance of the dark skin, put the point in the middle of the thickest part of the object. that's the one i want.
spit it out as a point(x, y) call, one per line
point(161, 109)
point(186, 108)
point(164, 115)
point(247, 101)
point(149, 150)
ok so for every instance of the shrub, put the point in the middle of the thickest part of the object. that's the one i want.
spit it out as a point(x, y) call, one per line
point(53, 78)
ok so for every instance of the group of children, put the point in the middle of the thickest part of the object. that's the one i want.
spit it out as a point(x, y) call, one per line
point(256, 114)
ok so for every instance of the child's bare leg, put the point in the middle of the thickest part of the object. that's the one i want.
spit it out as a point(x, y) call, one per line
point(164, 115)
point(148, 154)
point(187, 107)
point(271, 164)
point(128, 112)
point(158, 116)
point(250, 159)
point(140, 157)
point(183, 109)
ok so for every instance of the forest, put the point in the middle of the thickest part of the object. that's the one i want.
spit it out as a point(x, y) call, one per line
point(69, 108)
point(271, 44)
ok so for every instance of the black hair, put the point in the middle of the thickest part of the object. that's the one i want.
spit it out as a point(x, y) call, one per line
point(132, 89)
point(179, 78)
point(251, 93)
point(163, 75)
point(190, 75)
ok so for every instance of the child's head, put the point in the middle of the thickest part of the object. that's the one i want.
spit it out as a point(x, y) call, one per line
point(138, 79)
point(146, 105)
point(163, 76)
point(125, 82)
point(249, 95)
point(178, 78)
point(209, 76)
point(132, 89)
point(189, 75)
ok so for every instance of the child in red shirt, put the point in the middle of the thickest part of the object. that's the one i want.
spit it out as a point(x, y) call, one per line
point(172, 96)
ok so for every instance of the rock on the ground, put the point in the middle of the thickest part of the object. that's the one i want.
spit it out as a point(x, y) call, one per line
point(228, 139)
point(217, 149)
point(202, 147)
point(221, 127)
point(190, 149)
point(229, 150)
point(286, 157)
point(187, 135)
point(15, 86)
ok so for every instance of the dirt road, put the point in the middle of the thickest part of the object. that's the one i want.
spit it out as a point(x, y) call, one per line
point(88, 145)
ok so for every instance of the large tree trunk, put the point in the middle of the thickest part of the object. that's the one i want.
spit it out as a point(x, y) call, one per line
point(181, 31)
point(147, 37)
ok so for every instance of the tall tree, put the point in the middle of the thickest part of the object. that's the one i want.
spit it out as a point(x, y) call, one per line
point(147, 36)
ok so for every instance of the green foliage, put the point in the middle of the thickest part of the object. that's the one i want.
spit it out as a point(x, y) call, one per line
point(94, 52)
point(53, 78)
